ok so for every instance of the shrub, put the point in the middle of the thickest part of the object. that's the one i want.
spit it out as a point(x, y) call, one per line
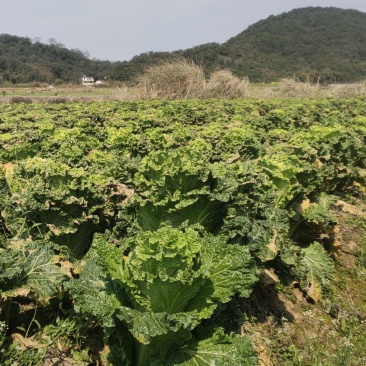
point(58, 100)
point(178, 79)
point(293, 88)
point(223, 84)
point(21, 100)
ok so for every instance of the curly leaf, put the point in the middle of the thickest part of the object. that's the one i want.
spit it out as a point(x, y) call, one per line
point(319, 269)
point(31, 267)
point(148, 327)
point(217, 349)
point(93, 294)
point(231, 269)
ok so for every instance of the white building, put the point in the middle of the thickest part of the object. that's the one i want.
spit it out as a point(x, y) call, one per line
point(87, 80)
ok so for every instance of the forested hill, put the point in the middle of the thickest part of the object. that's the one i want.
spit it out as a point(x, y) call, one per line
point(325, 42)
point(23, 60)
point(329, 43)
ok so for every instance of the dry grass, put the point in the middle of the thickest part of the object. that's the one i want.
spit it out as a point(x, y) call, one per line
point(182, 79)
point(17, 99)
point(223, 84)
point(290, 88)
point(179, 79)
point(346, 90)
point(293, 88)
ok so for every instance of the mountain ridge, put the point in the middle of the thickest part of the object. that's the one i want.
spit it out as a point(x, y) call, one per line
point(325, 43)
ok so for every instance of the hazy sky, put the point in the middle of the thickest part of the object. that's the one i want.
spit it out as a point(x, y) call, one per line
point(120, 29)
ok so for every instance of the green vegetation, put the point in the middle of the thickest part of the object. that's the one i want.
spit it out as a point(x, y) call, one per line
point(326, 44)
point(290, 331)
point(315, 43)
point(128, 230)
point(25, 61)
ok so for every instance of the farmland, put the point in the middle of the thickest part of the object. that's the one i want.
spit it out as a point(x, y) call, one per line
point(142, 232)
point(286, 88)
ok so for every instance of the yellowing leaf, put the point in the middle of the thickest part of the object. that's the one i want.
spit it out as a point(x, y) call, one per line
point(335, 235)
point(67, 268)
point(8, 169)
point(25, 343)
point(314, 291)
point(18, 292)
point(272, 244)
point(319, 268)
point(303, 206)
point(233, 158)
point(271, 249)
point(352, 209)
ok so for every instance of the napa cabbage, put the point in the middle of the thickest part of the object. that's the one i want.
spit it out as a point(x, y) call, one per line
point(160, 286)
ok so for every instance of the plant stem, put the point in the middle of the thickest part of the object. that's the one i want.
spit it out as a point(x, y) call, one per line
point(30, 324)
point(7, 307)
point(143, 355)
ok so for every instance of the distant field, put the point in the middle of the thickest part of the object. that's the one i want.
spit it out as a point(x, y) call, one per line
point(60, 94)
point(45, 94)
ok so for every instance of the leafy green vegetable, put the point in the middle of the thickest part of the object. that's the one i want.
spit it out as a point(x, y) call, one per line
point(158, 211)
point(217, 349)
point(172, 279)
point(315, 270)
point(28, 267)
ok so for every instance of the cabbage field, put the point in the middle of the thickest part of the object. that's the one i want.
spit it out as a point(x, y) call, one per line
point(130, 228)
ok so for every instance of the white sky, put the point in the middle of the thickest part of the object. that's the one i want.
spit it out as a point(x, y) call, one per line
point(117, 30)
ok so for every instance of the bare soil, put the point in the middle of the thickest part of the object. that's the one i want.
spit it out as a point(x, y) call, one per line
point(287, 328)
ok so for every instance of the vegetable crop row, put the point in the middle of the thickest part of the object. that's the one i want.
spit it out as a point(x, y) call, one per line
point(149, 216)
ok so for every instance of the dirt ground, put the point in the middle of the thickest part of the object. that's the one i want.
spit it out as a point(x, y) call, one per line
point(288, 328)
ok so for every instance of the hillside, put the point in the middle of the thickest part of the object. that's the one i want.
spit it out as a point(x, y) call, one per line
point(328, 43)
point(23, 61)
point(325, 42)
